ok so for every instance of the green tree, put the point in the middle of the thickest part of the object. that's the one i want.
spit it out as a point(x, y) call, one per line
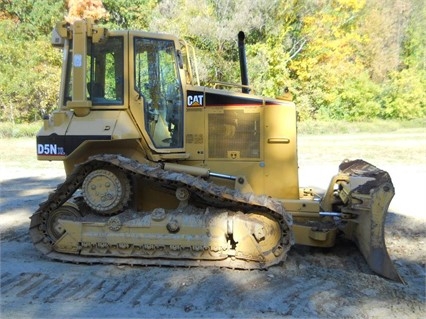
point(404, 91)
point(272, 48)
point(404, 95)
point(126, 14)
point(414, 45)
point(29, 72)
point(342, 59)
point(330, 75)
point(33, 18)
point(212, 27)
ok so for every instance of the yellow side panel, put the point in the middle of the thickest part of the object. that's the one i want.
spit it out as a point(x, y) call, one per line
point(256, 142)
point(280, 152)
point(194, 133)
point(95, 123)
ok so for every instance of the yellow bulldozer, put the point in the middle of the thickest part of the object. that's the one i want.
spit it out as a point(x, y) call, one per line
point(163, 171)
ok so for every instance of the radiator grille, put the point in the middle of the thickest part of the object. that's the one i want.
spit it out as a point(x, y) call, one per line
point(234, 134)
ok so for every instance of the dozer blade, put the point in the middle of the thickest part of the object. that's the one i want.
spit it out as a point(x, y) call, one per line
point(363, 197)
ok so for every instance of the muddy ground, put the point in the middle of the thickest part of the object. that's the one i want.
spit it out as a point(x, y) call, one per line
point(312, 283)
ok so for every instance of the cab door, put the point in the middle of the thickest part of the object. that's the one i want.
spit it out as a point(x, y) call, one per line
point(156, 95)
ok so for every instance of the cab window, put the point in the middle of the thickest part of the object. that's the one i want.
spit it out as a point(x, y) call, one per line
point(104, 74)
point(157, 81)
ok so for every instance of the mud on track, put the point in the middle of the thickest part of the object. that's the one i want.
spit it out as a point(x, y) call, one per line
point(311, 283)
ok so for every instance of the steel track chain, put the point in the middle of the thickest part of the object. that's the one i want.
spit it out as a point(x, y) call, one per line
point(210, 193)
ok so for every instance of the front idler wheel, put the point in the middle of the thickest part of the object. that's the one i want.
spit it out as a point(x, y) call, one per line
point(54, 228)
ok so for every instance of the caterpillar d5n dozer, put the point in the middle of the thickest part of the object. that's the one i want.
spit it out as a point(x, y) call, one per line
point(163, 171)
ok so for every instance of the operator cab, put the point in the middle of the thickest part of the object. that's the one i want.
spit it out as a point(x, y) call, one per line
point(129, 70)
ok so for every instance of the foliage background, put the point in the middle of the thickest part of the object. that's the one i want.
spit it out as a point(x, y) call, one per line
point(352, 60)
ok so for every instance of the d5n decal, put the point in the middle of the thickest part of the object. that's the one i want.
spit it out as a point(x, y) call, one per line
point(50, 149)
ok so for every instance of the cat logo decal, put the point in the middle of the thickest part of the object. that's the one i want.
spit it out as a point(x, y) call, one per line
point(195, 100)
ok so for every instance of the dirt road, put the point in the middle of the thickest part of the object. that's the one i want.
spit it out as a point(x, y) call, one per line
point(312, 283)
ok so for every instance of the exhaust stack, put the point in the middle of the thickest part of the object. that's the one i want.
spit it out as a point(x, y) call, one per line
point(243, 62)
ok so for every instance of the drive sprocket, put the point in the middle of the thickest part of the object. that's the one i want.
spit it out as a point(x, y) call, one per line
point(106, 190)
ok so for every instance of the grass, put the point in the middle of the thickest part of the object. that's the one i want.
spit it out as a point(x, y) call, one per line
point(342, 127)
point(11, 130)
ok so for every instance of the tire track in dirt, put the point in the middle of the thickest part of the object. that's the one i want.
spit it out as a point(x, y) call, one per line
point(21, 285)
point(188, 295)
point(18, 236)
point(50, 289)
